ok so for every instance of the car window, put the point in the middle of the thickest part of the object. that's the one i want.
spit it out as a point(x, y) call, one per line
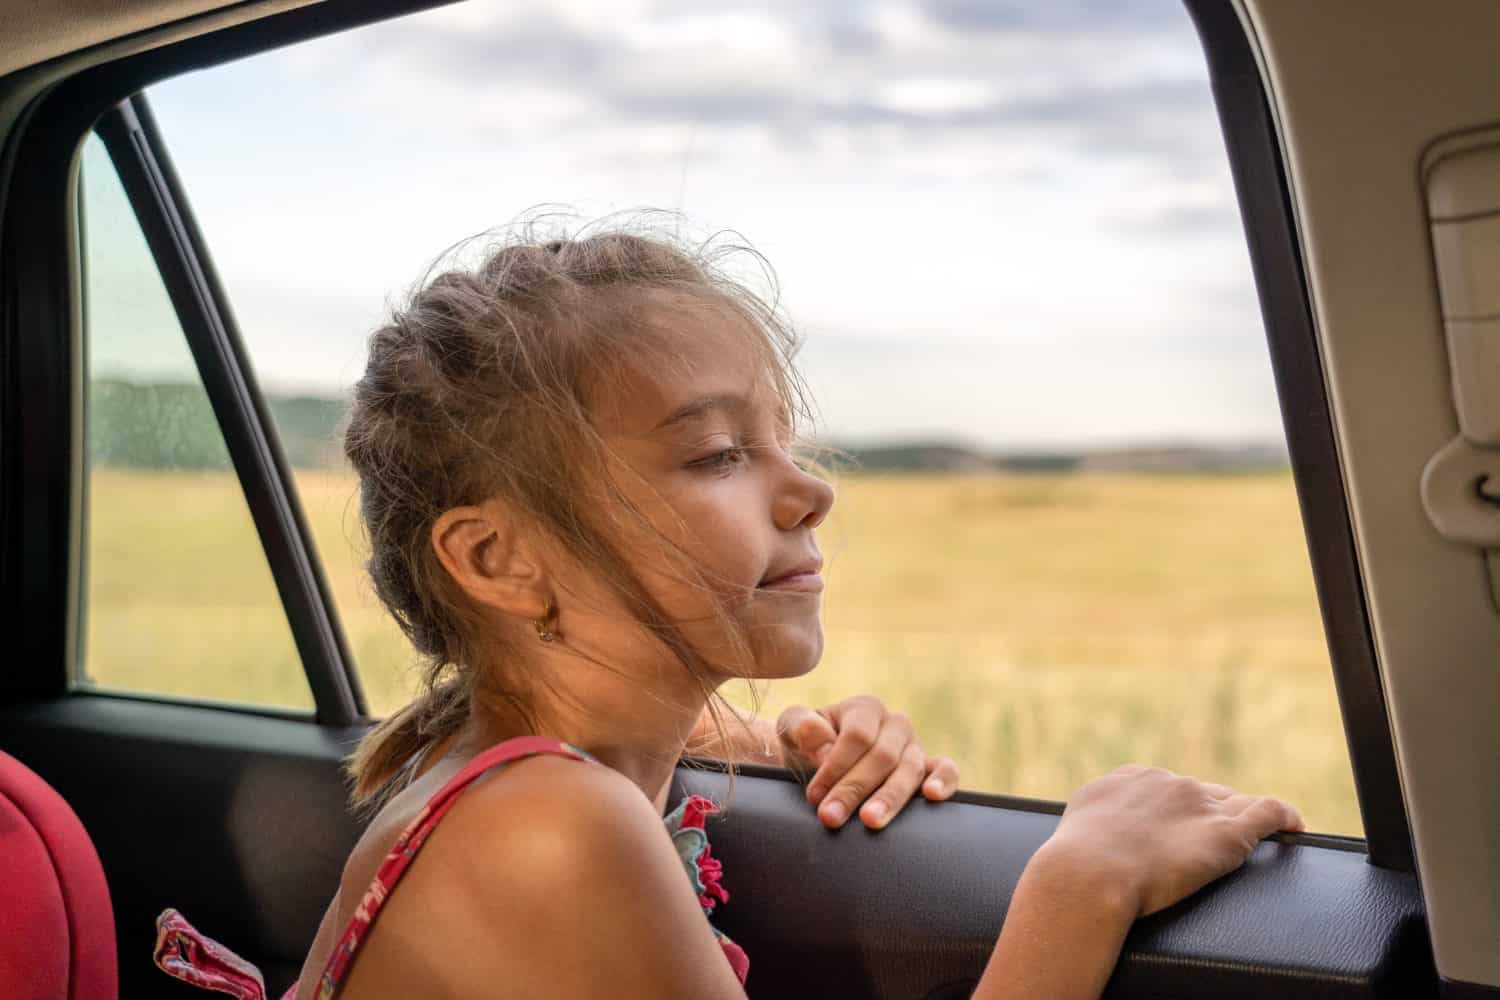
point(178, 597)
point(1008, 237)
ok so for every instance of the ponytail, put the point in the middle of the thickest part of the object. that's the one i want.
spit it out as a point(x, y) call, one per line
point(399, 743)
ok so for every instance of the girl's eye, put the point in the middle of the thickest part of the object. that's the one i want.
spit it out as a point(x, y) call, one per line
point(721, 460)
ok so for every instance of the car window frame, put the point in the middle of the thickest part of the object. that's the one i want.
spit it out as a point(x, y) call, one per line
point(145, 170)
point(1264, 194)
point(50, 108)
point(48, 559)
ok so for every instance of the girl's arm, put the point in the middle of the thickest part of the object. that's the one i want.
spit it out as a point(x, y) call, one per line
point(1062, 934)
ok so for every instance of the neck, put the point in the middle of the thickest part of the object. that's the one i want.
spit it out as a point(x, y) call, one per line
point(636, 722)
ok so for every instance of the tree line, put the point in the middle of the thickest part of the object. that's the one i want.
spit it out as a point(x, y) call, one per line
point(171, 425)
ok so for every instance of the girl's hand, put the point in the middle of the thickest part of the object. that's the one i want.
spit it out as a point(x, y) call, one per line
point(1159, 837)
point(863, 754)
point(1130, 843)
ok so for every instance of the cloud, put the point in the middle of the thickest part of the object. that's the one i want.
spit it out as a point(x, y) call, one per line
point(985, 199)
point(1056, 73)
point(1068, 17)
point(1192, 219)
point(523, 48)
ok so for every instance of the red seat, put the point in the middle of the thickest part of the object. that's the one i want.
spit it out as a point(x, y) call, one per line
point(57, 931)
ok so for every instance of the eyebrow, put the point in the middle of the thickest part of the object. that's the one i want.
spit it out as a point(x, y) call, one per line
point(696, 409)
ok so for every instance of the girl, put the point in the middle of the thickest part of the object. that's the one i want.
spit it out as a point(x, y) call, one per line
point(577, 475)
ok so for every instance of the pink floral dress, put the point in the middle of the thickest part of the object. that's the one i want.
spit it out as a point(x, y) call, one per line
point(184, 953)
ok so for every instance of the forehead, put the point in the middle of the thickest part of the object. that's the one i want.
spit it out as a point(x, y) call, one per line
point(692, 350)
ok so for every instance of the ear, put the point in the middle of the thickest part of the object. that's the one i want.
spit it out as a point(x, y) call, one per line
point(486, 555)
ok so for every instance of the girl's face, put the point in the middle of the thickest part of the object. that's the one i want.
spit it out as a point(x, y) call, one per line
point(701, 448)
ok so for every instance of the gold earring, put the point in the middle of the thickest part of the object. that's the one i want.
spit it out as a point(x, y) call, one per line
point(544, 625)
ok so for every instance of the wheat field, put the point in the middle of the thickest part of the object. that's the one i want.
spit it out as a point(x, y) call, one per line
point(1040, 629)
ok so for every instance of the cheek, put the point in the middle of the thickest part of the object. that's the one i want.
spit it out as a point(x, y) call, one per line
point(719, 536)
point(786, 639)
point(698, 549)
point(691, 569)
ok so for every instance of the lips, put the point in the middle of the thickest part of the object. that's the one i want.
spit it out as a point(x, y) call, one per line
point(803, 576)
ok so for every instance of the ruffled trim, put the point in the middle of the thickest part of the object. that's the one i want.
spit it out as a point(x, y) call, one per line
point(686, 825)
point(738, 960)
point(183, 952)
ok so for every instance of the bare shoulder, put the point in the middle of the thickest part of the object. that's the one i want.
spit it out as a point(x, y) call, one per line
point(555, 876)
point(534, 807)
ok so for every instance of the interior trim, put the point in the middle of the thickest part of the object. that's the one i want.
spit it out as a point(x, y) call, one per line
point(1452, 989)
point(37, 400)
point(36, 33)
point(1356, 131)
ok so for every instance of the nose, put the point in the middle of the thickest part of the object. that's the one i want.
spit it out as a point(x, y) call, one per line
point(803, 500)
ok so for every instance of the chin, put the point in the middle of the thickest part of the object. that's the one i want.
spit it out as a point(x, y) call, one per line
point(793, 655)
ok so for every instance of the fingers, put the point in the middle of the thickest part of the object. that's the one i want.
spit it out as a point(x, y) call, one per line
point(868, 761)
point(1265, 816)
point(1231, 801)
point(858, 722)
point(886, 766)
point(942, 779)
point(882, 807)
point(805, 735)
point(1217, 791)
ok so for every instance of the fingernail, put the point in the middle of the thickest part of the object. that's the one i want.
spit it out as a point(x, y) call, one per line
point(815, 792)
point(875, 813)
point(933, 787)
point(836, 813)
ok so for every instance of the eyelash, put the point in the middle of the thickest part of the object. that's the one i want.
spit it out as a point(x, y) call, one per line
point(723, 460)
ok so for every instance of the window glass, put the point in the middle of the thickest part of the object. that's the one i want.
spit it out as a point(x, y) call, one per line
point(179, 599)
point(1008, 237)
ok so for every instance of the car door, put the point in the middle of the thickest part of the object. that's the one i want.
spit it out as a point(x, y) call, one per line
point(236, 813)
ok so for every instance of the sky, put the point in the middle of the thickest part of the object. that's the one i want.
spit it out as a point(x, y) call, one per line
point(999, 223)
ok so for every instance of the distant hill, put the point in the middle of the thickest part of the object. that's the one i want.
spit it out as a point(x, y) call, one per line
point(172, 426)
point(1171, 457)
point(915, 456)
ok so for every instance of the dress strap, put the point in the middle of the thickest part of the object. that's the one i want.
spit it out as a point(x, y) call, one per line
point(185, 953)
point(405, 849)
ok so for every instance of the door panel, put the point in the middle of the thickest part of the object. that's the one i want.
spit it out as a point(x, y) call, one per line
point(239, 821)
point(914, 910)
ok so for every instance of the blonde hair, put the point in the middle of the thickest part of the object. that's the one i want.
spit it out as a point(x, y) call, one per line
point(478, 387)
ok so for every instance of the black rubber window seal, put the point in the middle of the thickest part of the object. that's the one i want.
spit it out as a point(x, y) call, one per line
point(1255, 160)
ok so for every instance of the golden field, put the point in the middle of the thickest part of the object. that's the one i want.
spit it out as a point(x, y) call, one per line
point(1040, 629)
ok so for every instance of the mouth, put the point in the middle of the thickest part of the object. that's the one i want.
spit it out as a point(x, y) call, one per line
point(804, 577)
